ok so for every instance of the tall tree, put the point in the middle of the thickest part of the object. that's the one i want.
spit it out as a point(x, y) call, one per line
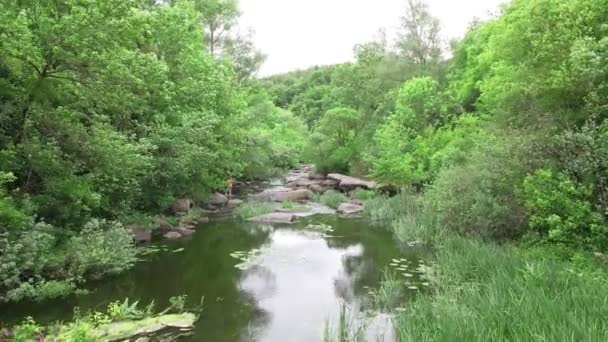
point(419, 36)
point(217, 18)
point(246, 59)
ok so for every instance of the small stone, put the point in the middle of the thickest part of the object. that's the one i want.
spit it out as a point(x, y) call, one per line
point(172, 235)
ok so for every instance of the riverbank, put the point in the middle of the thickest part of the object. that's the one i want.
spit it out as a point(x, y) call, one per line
point(481, 290)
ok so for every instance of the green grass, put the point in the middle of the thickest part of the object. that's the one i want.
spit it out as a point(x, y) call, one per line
point(485, 292)
point(386, 210)
point(333, 198)
point(348, 329)
point(252, 209)
point(290, 205)
point(363, 195)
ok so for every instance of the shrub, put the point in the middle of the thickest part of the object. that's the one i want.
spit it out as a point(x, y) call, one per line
point(102, 247)
point(26, 331)
point(333, 198)
point(479, 197)
point(561, 211)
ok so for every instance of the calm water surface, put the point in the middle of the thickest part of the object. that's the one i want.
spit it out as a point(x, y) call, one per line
point(295, 285)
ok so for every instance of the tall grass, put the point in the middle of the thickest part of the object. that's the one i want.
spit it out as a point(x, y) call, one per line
point(252, 209)
point(349, 328)
point(485, 292)
point(386, 210)
point(333, 198)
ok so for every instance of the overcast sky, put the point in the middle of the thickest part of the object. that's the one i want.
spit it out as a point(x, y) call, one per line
point(297, 34)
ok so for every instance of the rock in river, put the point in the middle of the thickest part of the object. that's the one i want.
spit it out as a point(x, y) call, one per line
point(141, 234)
point(182, 206)
point(281, 196)
point(274, 218)
point(217, 199)
point(350, 208)
point(348, 183)
point(173, 235)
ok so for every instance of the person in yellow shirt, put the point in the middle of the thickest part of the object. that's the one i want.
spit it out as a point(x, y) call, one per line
point(229, 184)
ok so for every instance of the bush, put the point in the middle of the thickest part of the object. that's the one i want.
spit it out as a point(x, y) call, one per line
point(252, 209)
point(561, 211)
point(333, 198)
point(102, 247)
point(479, 197)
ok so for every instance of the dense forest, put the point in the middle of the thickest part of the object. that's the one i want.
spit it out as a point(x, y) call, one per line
point(494, 147)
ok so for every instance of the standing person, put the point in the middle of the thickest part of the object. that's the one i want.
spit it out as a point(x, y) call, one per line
point(229, 184)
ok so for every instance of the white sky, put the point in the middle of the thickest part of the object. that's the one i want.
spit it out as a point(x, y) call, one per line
point(297, 34)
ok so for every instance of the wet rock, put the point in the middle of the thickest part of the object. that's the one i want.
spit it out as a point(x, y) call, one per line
point(172, 235)
point(350, 208)
point(316, 176)
point(140, 234)
point(330, 183)
point(184, 231)
point(5, 333)
point(173, 324)
point(274, 218)
point(202, 219)
point(317, 188)
point(233, 203)
point(163, 224)
point(348, 183)
point(182, 206)
point(217, 199)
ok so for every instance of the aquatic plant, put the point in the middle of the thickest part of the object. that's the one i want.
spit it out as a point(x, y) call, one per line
point(252, 209)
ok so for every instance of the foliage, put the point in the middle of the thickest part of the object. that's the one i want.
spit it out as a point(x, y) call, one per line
point(561, 211)
point(334, 141)
point(26, 330)
point(332, 198)
point(101, 248)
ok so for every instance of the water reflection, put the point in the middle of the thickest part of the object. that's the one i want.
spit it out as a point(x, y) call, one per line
point(299, 282)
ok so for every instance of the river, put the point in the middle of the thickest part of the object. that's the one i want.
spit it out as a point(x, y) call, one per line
point(295, 281)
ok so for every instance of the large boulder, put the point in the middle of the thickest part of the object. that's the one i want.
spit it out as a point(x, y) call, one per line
point(348, 183)
point(217, 199)
point(182, 206)
point(316, 176)
point(274, 218)
point(303, 183)
point(281, 196)
point(183, 231)
point(350, 208)
point(140, 233)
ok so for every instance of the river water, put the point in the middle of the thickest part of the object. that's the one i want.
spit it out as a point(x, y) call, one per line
point(296, 281)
